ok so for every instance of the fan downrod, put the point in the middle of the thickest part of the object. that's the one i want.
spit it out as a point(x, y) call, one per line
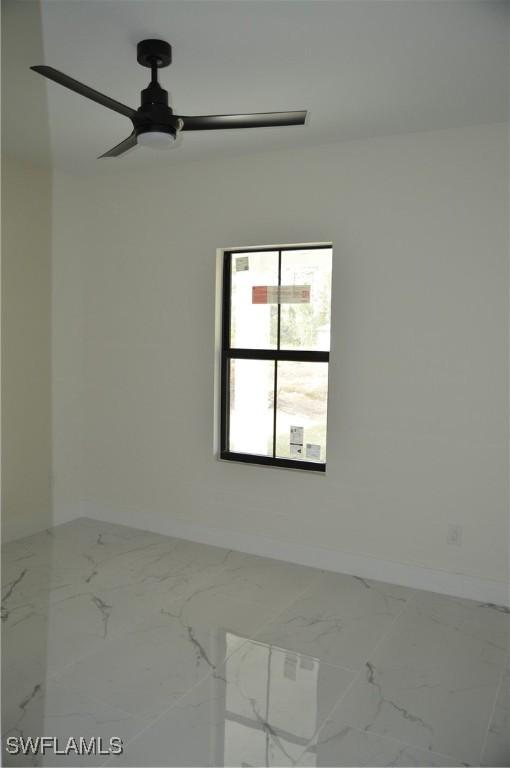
point(154, 53)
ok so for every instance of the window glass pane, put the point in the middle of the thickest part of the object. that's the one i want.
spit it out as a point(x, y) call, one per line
point(253, 325)
point(251, 406)
point(302, 403)
point(307, 325)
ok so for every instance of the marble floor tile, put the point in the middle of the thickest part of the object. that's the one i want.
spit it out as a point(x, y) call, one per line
point(154, 575)
point(65, 715)
point(172, 568)
point(272, 582)
point(148, 667)
point(432, 681)
point(62, 632)
point(176, 570)
point(59, 563)
point(167, 562)
point(496, 750)
point(29, 581)
point(79, 625)
point(339, 620)
point(210, 610)
point(203, 656)
point(262, 707)
point(145, 670)
point(64, 544)
point(119, 578)
point(97, 542)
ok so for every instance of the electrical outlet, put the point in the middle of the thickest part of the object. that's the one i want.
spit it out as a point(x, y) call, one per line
point(454, 535)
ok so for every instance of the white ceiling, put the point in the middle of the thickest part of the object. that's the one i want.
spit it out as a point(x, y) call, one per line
point(361, 67)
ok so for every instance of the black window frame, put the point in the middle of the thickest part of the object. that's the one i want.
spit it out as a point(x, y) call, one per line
point(239, 353)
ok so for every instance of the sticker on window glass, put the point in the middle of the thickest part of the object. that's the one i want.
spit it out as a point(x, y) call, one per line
point(296, 442)
point(259, 294)
point(242, 264)
point(296, 435)
point(313, 451)
point(282, 294)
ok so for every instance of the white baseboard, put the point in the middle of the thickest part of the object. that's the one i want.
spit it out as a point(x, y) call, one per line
point(405, 574)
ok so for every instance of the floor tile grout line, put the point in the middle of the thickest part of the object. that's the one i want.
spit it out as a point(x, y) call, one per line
point(95, 700)
point(54, 676)
point(409, 601)
point(70, 689)
point(393, 739)
point(333, 708)
point(358, 675)
point(493, 709)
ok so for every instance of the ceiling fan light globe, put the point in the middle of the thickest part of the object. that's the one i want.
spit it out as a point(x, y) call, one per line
point(156, 139)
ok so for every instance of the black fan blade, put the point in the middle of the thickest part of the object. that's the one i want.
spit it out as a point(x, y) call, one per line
point(257, 120)
point(84, 90)
point(128, 143)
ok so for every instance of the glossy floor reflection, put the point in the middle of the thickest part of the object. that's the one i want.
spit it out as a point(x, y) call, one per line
point(198, 656)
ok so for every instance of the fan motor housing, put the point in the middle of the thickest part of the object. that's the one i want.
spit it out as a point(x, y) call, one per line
point(154, 53)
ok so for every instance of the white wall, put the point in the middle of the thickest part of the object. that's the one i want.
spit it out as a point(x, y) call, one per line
point(26, 280)
point(418, 404)
point(26, 345)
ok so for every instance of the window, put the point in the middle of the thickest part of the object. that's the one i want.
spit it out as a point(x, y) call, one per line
point(275, 356)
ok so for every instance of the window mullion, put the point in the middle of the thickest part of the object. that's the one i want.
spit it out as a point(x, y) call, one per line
point(278, 326)
point(279, 305)
point(275, 395)
point(292, 355)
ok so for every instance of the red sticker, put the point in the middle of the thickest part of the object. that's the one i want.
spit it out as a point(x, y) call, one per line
point(259, 294)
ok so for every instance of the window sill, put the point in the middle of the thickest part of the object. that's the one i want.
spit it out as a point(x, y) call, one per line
point(269, 461)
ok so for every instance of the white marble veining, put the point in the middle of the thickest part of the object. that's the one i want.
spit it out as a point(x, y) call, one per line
point(197, 655)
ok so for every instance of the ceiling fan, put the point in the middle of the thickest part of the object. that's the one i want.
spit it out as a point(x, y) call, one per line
point(154, 123)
